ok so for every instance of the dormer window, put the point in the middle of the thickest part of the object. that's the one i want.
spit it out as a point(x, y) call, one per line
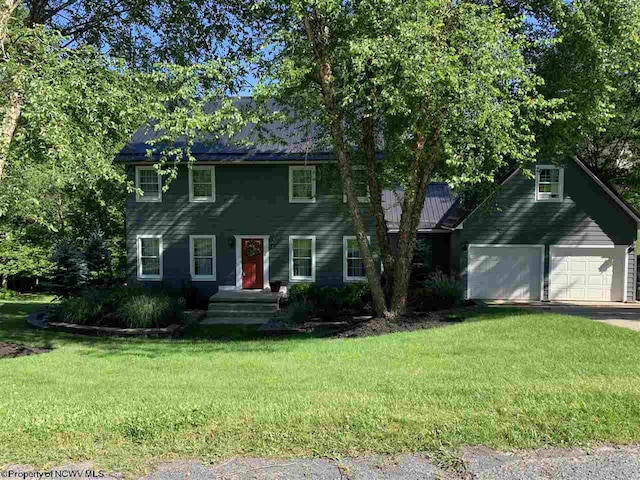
point(549, 183)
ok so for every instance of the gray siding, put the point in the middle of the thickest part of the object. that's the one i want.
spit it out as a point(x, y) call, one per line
point(250, 200)
point(586, 216)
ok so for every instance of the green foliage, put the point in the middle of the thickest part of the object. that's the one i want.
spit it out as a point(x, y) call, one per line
point(81, 310)
point(128, 307)
point(70, 271)
point(148, 311)
point(440, 291)
point(454, 67)
point(298, 311)
point(97, 255)
point(328, 302)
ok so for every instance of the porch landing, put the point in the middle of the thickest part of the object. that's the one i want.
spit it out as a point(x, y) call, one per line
point(242, 307)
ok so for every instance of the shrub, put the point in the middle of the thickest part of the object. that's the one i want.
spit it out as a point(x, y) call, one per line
point(97, 255)
point(70, 270)
point(328, 302)
point(298, 312)
point(300, 292)
point(81, 310)
point(440, 291)
point(148, 311)
point(355, 295)
point(6, 294)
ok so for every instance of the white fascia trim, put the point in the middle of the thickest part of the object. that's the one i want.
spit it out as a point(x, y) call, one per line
point(140, 275)
point(192, 266)
point(607, 190)
point(142, 198)
point(265, 259)
point(298, 278)
point(212, 198)
point(312, 168)
point(498, 245)
point(560, 184)
point(345, 277)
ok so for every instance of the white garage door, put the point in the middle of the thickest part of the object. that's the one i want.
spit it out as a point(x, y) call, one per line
point(587, 274)
point(505, 272)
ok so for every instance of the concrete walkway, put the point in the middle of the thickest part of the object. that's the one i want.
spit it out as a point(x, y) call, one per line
point(625, 315)
point(474, 463)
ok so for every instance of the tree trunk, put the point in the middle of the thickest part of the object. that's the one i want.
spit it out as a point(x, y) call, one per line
point(16, 98)
point(414, 195)
point(375, 193)
point(9, 124)
point(4, 281)
point(317, 29)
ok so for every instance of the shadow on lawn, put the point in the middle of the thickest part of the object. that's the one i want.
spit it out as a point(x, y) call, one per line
point(208, 339)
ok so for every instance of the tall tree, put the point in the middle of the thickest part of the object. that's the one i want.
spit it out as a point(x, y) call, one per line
point(139, 31)
point(588, 53)
point(438, 87)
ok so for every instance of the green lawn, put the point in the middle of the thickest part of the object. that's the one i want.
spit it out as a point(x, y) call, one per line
point(501, 379)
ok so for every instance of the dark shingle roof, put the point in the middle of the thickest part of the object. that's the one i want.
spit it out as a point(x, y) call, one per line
point(279, 141)
point(437, 206)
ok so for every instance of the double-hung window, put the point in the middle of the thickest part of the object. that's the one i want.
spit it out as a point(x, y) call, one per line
point(202, 184)
point(302, 258)
point(549, 183)
point(302, 184)
point(149, 257)
point(353, 268)
point(360, 184)
point(202, 250)
point(148, 180)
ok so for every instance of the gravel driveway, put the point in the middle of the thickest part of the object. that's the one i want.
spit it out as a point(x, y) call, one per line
point(603, 463)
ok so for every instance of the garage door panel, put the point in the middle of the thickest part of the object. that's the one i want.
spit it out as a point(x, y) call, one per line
point(504, 272)
point(592, 273)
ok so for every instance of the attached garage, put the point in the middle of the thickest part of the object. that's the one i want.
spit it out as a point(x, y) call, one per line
point(587, 273)
point(505, 272)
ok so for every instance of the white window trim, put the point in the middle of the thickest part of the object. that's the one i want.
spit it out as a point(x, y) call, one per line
point(560, 183)
point(345, 276)
point(212, 198)
point(364, 199)
point(141, 276)
point(311, 168)
point(192, 267)
point(143, 198)
point(298, 278)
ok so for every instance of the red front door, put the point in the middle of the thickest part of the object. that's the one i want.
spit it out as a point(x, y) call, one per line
point(252, 266)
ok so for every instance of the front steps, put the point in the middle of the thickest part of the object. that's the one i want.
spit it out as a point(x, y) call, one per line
point(244, 307)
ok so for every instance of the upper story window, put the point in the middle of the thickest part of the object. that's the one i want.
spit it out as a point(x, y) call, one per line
point(360, 184)
point(353, 268)
point(302, 184)
point(149, 257)
point(202, 184)
point(549, 183)
point(203, 257)
point(148, 180)
point(302, 258)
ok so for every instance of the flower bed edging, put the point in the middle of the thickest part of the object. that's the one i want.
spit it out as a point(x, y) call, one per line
point(40, 320)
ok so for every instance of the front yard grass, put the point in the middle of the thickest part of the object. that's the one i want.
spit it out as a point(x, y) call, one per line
point(505, 379)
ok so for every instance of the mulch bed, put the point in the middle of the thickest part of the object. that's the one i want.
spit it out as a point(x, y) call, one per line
point(11, 350)
point(352, 327)
point(378, 326)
